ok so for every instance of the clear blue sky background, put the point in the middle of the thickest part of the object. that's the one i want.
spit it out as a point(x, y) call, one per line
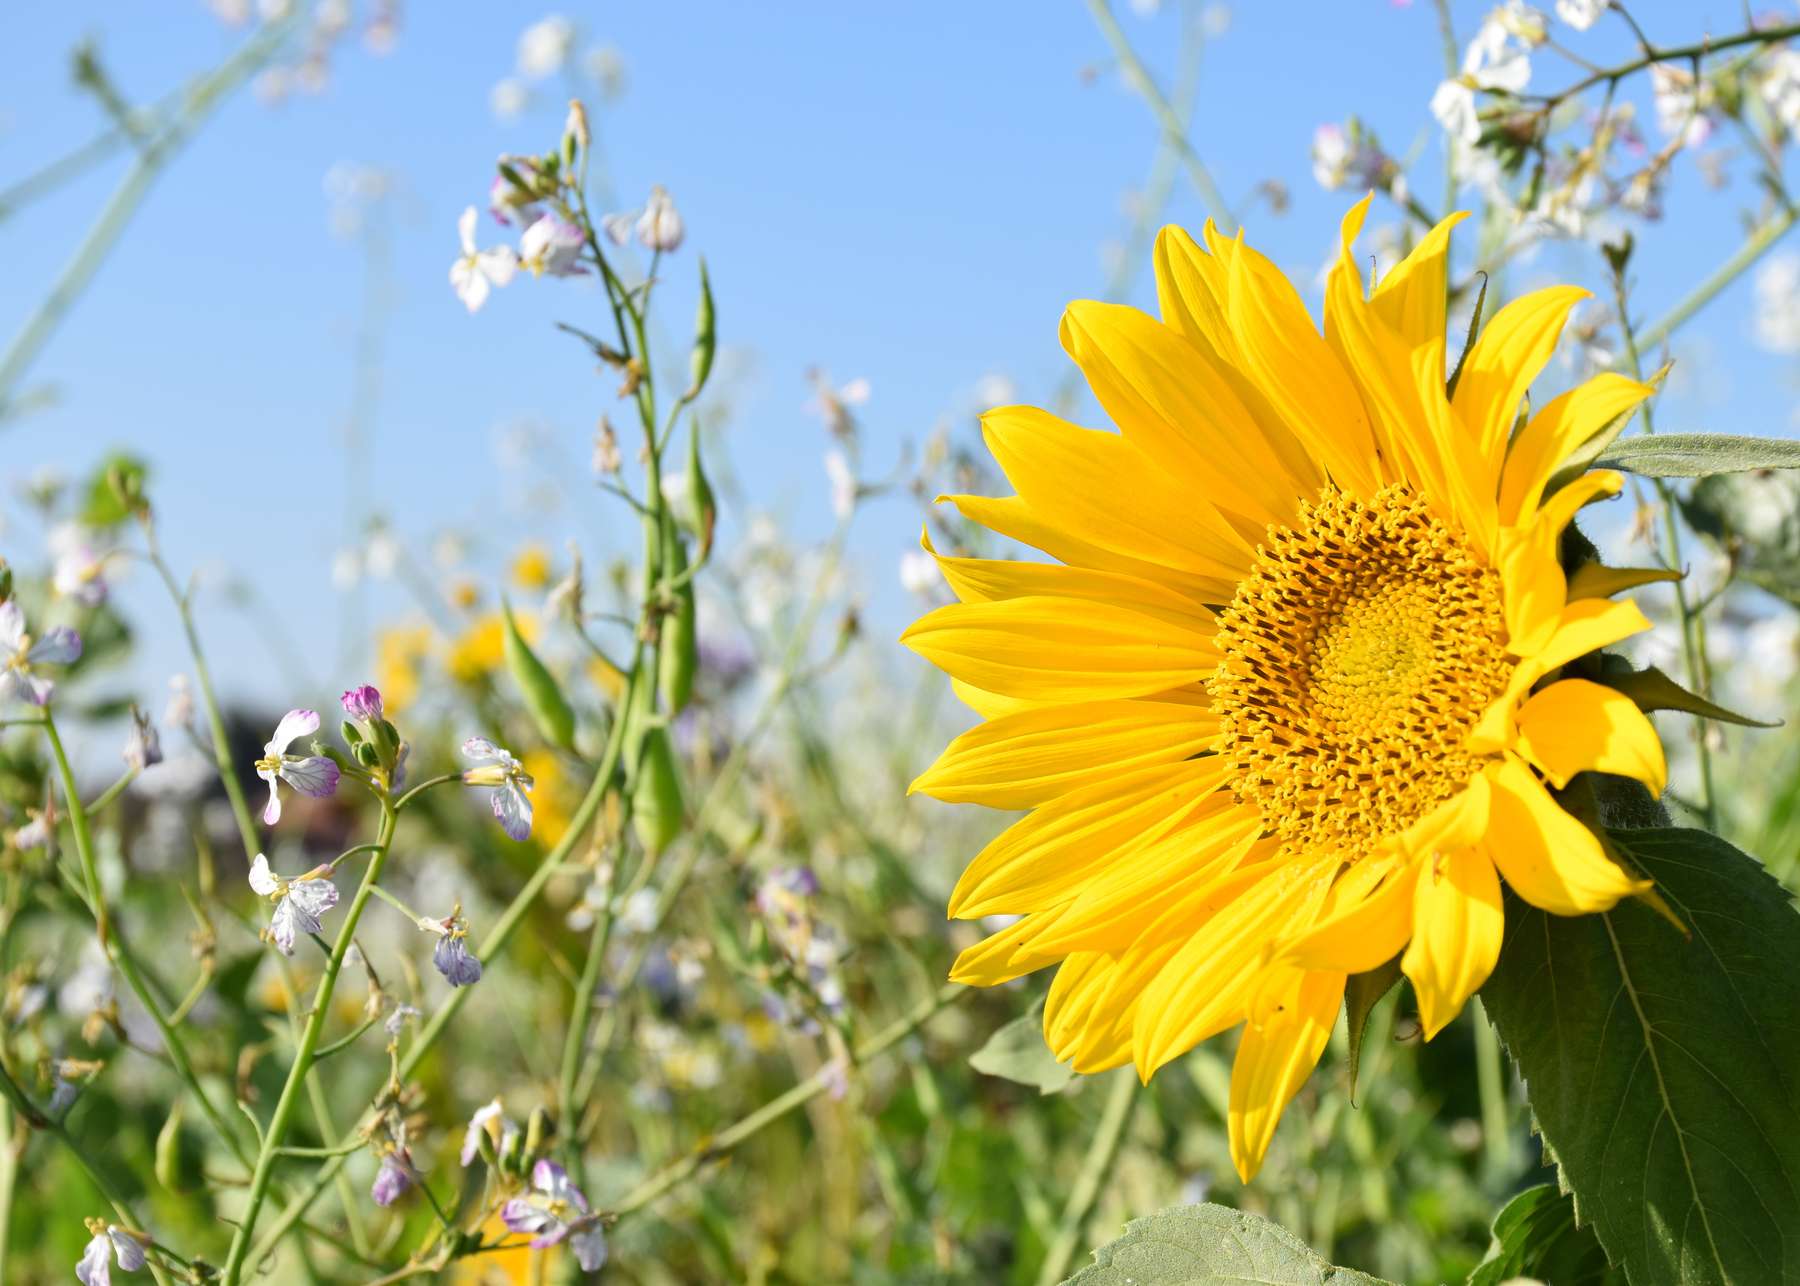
point(904, 192)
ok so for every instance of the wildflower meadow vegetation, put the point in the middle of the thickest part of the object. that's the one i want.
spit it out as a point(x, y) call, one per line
point(1318, 803)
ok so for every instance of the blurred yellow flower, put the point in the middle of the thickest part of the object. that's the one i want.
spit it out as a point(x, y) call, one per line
point(399, 654)
point(531, 568)
point(1273, 706)
point(465, 594)
point(481, 648)
point(554, 797)
point(511, 1266)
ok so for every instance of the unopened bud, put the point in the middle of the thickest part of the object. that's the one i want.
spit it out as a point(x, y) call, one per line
point(576, 127)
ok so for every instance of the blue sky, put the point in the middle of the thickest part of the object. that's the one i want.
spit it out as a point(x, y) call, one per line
point(905, 193)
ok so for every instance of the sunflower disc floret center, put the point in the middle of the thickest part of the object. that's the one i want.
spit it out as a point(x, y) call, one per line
point(1357, 655)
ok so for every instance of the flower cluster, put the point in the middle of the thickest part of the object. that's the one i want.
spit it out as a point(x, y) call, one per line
point(555, 1210)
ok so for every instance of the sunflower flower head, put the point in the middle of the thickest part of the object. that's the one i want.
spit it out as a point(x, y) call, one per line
point(1291, 701)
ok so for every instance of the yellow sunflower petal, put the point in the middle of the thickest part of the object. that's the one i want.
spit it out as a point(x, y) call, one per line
point(989, 705)
point(1587, 625)
point(1169, 399)
point(1512, 349)
point(1193, 294)
point(1364, 935)
point(1047, 857)
point(1026, 759)
point(1274, 1060)
point(1204, 987)
point(1008, 954)
point(1079, 1027)
point(1299, 373)
point(981, 580)
point(1109, 493)
point(1456, 933)
point(1055, 649)
point(1411, 299)
point(1557, 430)
point(1548, 857)
point(1184, 875)
point(1576, 726)
point(1011, 516)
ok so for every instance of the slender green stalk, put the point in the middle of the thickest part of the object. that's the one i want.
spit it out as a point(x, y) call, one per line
point(673, 1175)
point(1676, 53)
point(10, 1151)
point(1101, 1154)
point(1174, 128)
point(28, 1115)
point(221, 747)
point(1693, 638)
point(199, 103)
point(581, 1010)
point(1452, 65)
point(112, 792)
point(1490, 1080)
point(276, 1133)
point(495, 943)
point(1741, 260)
point(119, 950)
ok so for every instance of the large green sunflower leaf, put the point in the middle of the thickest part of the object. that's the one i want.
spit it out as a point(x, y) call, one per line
point(1210, 1245)
point(1698, 455)
point(1663, 1073)
point(1017, 1052)
point(1536, 1236)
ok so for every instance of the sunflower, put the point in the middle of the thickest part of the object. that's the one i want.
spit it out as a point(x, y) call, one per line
point(1287, 704)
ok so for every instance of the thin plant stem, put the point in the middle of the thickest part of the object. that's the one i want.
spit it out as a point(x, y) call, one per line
point(234, 789)
point(1098, 1163)
point(677, 1173)
point(496, 942)
point(1693, 642)
point(119, 951)
point(1741, 261)
point(1452, 64)
point(1174, 129)
point(1676, 53)
point(276, 1132)
point(197, 104)
point(27, 1114)
point(1490, 1080)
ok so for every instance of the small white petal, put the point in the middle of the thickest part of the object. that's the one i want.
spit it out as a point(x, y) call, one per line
point(262, 879)
point(12, 626)
point(315, 897)
point(514, 811)
point(95, 1267)
point(60, 646)
point(295, 723)
point(465, 229)
point(128, 1248)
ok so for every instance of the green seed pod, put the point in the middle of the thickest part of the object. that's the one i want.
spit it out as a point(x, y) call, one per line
point(366, 755)
point(543, 697)
point(705, 338)
point(352, 737)
point(656, 804)
point(537, 1132)
point(168, 1150)
point(703, 509)
point(680, 653)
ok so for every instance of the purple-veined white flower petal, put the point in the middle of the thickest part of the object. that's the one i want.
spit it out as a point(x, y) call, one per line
point(38, 689)
point(553, 1181)
point(288, 923)
point(469, 284)
point(498, 264)
point(59, 646)
point(95, 1265)
point(588, 1241)
point(362, 702)
point(471, 1144)
point(12, 626)
point(452, 958)
point(521, 1215)
point(13, 686)
point(295, 723)
point(272, 810)
point(262, 879)
point(395, 1176)
point(513, 809)
point(315, 896)
point(129, 1249)
point(479, 748)
point(315, 775)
